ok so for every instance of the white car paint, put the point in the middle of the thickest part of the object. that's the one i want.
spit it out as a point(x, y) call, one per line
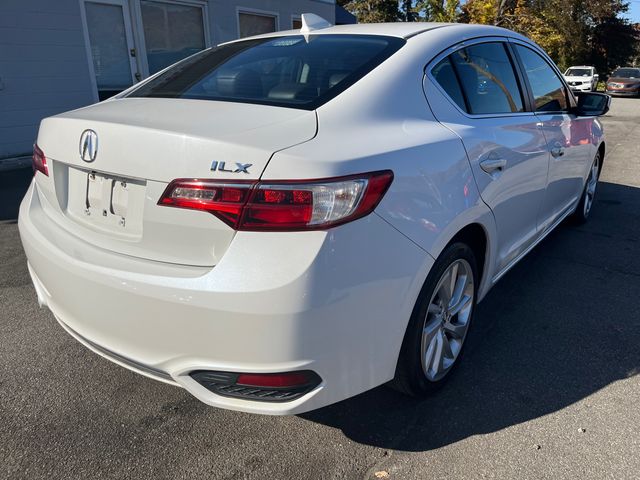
point(174, 290)
point(582, 83)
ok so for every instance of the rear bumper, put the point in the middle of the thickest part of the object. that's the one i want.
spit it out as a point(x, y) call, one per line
point(336, 303)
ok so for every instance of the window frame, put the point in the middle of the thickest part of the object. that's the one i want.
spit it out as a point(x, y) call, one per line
point(522, 85)
point(137, 14)
point(571, 99)
point(257, 12)
point(294, 18)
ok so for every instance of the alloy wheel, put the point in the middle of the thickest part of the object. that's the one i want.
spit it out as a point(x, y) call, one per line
point(592, 183)
point(447, 320)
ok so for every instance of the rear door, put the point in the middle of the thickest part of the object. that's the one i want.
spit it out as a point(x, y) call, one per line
point(475, 90)
point(568, 138)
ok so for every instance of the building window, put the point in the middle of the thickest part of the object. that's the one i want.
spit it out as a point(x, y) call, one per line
point(171, 32)
point(255, 23)
point(296, 23)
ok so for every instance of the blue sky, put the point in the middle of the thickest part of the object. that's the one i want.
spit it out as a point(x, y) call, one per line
point(634, 11)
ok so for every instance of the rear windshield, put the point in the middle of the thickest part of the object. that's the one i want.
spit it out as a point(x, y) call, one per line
point(626, 73)
point(578, 72)
point(289, 71)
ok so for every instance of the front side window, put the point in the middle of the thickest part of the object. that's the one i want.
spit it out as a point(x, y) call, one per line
point(290, 71)
point(548, 90)
point(488, 79)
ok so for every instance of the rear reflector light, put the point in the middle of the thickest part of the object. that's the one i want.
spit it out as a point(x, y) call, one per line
point(292, 379)
point(282, 205)
point(39, 161)
point(266, 387)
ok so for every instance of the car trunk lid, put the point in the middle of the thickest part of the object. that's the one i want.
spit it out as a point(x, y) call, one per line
point(141, 145)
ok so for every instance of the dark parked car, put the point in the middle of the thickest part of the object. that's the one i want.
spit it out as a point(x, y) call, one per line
point(624, 82)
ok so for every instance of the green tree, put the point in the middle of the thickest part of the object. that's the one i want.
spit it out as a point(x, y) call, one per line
point(407, 11)
point(438, 10)
point(503, 9)
point(371, 11)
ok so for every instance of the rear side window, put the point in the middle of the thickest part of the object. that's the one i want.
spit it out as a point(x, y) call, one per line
point(445, 76)
point(290, 71)
point(548, 90)
point(487, 78)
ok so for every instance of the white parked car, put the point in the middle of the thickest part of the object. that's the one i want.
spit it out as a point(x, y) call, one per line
point(285, 221)
point(582, 78)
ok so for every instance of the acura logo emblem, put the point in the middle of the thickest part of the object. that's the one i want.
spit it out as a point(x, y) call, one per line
point(88, 145)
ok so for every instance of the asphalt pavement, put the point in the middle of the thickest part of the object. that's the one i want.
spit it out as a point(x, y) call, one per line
point(549, 388)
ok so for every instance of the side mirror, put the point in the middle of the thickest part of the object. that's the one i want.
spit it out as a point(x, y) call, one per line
point(592, 104)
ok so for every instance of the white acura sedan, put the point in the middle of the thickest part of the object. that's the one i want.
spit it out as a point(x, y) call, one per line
point(582, 79)
point(285, 221)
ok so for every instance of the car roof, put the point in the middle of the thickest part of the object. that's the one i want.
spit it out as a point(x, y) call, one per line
point(396, 29)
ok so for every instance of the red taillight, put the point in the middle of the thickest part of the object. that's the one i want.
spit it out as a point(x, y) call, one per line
point(279, 205)
point(39, 161)
point(225, 200)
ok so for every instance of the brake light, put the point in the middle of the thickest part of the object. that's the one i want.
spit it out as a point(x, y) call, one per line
point(39, 161)
point(282, 205)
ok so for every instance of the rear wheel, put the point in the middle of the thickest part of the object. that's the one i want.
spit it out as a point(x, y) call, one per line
point(435, 337)
point(581, 215)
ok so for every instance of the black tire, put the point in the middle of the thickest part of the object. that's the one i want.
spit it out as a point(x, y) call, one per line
point(585, 205)
point(410, 377)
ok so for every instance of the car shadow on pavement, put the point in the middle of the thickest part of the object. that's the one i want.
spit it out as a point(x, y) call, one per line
point(13, 186)
point(560, 326)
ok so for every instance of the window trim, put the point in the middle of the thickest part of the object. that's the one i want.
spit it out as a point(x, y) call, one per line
point(571, 99)
point(257, 12)
point(130, 38)
point(295, 17)
point(468, 43)
point(137, 14)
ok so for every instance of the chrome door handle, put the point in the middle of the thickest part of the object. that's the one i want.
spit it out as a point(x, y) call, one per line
point(557, 151)
point(490, 165)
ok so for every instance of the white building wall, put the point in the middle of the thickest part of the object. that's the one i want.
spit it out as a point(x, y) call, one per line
point(44, 67)
point(224, 14)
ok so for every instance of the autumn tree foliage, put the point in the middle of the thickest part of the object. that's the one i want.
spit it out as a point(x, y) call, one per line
point(573, 32)
point(368, 11)
point(373, 11)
